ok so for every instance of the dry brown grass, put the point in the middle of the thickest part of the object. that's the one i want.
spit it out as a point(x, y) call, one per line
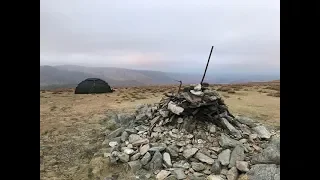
point(64, 115)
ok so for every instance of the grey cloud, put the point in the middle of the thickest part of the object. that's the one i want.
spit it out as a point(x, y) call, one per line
point(128, 33)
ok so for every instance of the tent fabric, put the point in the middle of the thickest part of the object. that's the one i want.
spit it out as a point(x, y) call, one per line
point(93, 86)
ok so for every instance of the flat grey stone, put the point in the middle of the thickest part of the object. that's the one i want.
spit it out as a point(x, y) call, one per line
point(237, 154)
point(232, 174)
point(264, 172)
point(262, 132)
point(134, 138)
point(227, 142)
point(179, 173)
point(163, 174)
point(269, 155)
point(197, 166)
point(167, 159)
point(188, 153)
point(224, 157)
point(204, 158)
point(242, 166)
point(145, 159)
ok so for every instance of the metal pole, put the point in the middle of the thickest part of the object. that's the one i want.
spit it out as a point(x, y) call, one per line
point(205, 71)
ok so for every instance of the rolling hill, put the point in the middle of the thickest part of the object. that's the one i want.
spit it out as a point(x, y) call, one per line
point(64, 76)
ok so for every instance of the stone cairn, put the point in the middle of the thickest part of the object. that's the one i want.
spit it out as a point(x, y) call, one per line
point(192, 135)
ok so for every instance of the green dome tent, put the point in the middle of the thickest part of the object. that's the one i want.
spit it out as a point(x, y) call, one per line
point(93, 86)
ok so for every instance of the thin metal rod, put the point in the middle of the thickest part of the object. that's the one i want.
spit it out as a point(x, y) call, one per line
point(179, 86)
point(205, 71)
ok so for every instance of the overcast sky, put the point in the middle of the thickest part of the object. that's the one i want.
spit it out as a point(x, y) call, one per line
point(163, 35)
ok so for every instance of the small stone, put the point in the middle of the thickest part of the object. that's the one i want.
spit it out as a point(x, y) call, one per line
point(252, 137)
point(210, 139)
point(262, 132)
point(181, 164)
point(213, 156)
point(188, 153)
point(245, 120)
point(191, 170)
point(175, 131)
point(257, 148)
point(164, 113)
point(167, 159)
point(159, 148)
point(243, 141)
point(215, 149)
point(156, 161)
point(214, 177)
point(269, 155)
point(264, 172)
point(236, 155)
point(181, 143)
point(180, 120)
point(163, 174)
point(212, 128)
point(227, 142)
point(172, 151)
point(198, 166)
point(224, 171)
point(115, 133)
point(113, 159)
point(188, 146)
point(204, 158)
point(224, 157)
point(144, 149)
point(179, 172)
point(145, 159)
point(200, 141)
point(124, 136)
point(244, 177)
point(141, 117)
point(216, 167)
point(131, 131)
point(128, 151)
point(197, 87)
point(129, 146)
point(113, 144)
point(232, 174)
point(134, 138)
point(157, 129)
point(231, 128)
point(175, 108)
point(140, 142)
point(189, 136)
point(148, 175)
point(135, 157)
point(154, 135)
point(171, 177)
point(242, 166)
point(207, 171)
point(135, 165)
point(197, 174)
point(123, 157)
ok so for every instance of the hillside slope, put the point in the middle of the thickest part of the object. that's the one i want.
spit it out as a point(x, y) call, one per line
point(71, 75)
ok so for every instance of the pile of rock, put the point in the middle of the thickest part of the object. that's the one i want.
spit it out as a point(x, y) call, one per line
point(192, 135)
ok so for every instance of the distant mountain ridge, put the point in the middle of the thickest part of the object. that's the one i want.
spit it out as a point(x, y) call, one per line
point(71, 75)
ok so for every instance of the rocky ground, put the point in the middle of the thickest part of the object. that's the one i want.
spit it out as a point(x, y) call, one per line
point(93, 147)
point(159, 142)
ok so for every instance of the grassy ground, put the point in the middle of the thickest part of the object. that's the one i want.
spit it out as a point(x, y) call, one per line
point(71, 126)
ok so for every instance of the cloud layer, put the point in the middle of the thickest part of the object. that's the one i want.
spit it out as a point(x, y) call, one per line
point(162, 35)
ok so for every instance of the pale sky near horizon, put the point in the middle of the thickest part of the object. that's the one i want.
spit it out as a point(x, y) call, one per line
point(162, 35)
